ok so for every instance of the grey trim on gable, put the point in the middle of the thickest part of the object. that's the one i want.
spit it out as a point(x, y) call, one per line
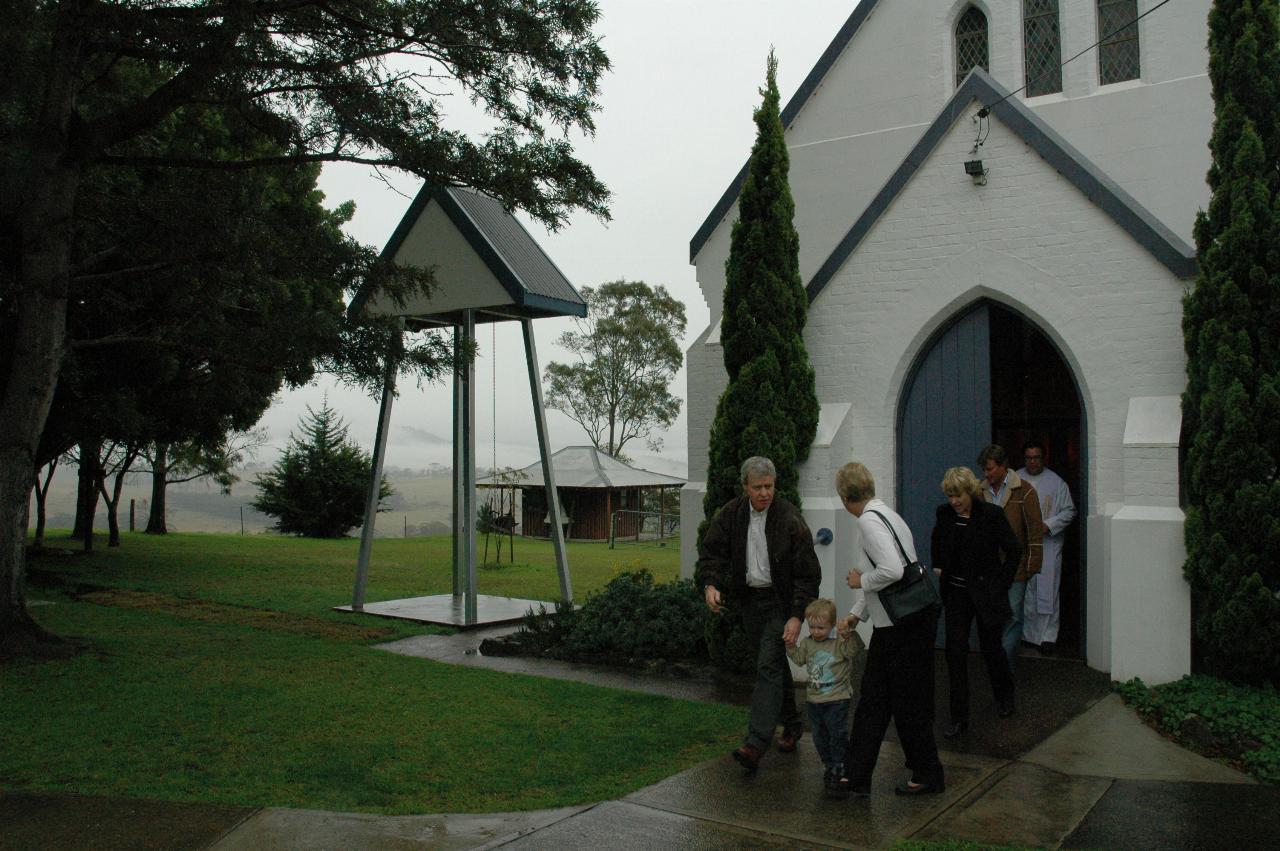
point(829, 56)
point(1137, 221)
point(514, 257)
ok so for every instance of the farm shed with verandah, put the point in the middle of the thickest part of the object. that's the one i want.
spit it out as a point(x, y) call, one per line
point(593, 485)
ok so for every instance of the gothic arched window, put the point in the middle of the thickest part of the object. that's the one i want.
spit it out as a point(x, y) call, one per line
point(1118, 32)
point(971, 43)
point(1041, 47)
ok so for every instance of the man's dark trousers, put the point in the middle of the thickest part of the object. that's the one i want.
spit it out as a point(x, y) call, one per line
point(773, 700)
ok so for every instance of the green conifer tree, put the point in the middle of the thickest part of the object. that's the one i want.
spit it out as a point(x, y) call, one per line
point(318, 487)
point(1231, 322)
point(769, 407)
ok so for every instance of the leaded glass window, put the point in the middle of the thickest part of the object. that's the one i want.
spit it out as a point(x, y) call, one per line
point(1042, 47)
point(971, 43)
point(1118, 32)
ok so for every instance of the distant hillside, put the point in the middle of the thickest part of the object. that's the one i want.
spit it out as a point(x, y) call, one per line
point(421, 503)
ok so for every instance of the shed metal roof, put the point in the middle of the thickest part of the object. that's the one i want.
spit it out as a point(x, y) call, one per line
point(588, 467)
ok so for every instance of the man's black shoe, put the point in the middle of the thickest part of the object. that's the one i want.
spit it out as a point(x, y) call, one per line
point(956, 728)
point(1006, 708)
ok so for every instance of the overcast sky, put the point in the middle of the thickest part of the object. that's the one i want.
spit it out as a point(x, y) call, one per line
point(674, 128)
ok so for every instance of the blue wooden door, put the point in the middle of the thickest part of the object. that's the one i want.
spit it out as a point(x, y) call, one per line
point(945, 419)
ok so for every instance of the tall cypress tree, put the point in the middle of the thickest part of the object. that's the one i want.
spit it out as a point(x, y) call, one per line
point(1231, 321)
point(770, 406)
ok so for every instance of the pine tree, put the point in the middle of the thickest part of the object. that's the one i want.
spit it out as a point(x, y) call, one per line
point(317, 488)
point(769, 407)
point(1231, 322)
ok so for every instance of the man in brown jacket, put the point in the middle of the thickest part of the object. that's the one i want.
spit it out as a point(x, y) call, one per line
point(1021, 506)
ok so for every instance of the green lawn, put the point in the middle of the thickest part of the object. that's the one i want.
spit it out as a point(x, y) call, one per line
point(215, 671)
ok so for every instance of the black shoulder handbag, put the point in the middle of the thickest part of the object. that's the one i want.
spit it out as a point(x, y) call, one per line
point(913, 596)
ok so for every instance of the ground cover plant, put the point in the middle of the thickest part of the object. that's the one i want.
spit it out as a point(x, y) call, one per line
point(214, 672)
point(1216, 718)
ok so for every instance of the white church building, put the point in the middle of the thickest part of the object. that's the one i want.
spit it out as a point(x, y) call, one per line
point(1001, 274)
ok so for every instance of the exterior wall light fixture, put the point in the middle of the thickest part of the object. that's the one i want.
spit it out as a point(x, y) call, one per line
point(975, 169)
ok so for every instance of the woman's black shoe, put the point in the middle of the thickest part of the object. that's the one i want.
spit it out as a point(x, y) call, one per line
point(1006, 708)
point(956, 728)
point(912, 788)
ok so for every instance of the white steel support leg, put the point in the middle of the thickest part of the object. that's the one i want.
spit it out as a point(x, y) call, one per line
point(544, 449)
point(468, 505)
point(459, 530)
point(375, 486)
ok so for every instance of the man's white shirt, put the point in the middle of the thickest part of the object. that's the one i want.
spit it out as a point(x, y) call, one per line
point(758, 572)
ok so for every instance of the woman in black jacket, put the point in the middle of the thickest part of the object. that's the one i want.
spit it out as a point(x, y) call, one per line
point(976, 555)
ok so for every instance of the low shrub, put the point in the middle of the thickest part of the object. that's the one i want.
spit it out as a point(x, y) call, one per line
point(631, 621)
point(1216, 718)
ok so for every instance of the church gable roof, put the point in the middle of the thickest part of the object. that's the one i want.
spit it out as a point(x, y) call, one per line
point(829, 56)
point(1136, 220)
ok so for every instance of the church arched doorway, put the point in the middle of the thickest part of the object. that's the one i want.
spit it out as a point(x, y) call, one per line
point(991, 376)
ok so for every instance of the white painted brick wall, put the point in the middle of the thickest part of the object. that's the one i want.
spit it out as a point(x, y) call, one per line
point(1029, 240)
point(1151, 476)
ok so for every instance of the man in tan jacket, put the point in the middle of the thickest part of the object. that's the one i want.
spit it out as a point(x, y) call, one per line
point(1021, 506)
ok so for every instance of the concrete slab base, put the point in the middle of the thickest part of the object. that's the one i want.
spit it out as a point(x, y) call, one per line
point(450, 610)
point(312, 830)
point(1109, 740)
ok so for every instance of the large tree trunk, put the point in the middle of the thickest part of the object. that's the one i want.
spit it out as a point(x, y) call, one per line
point(87, 477)
point(159, 485)
point(39, 336)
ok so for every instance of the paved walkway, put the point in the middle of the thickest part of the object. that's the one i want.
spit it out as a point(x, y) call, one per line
point(1096, 777)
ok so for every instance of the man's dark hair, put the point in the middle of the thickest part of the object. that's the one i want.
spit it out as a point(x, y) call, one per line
point(992, 452)
point(1034, 443)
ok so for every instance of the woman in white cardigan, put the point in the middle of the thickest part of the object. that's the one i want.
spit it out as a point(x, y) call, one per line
point(898, 681)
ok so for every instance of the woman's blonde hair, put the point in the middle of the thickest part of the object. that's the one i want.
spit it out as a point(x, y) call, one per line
point(855, 483)
point(960, 480)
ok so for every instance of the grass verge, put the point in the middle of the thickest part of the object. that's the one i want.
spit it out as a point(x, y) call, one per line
point(199, 687)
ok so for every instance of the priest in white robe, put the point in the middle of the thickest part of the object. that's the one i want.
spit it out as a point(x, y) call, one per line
point(1042, 606)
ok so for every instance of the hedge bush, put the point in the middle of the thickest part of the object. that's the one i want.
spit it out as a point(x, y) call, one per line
point(631, 621)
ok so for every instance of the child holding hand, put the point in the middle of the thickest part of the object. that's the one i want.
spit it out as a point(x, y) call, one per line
point(829, 661)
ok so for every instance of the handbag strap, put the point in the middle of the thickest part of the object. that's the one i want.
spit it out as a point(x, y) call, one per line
point(905, 561)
